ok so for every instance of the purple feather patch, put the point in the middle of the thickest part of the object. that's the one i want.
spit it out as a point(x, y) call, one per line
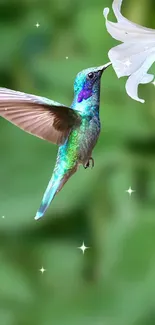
point(84, 94)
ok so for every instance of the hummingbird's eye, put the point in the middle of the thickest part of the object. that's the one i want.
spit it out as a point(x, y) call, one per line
point(91, 75)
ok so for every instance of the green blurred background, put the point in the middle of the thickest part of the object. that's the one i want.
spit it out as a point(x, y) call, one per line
point(114, 282)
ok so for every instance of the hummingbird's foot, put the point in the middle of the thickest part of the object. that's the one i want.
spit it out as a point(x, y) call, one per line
point(87, 165)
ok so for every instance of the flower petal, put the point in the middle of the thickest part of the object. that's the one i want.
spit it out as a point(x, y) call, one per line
point(140, 76)
point(124, 29)
point(147, 78)
point(116, 6)
point(116, 30)
point(120, 18)
point(128, 57)
point(135, 56)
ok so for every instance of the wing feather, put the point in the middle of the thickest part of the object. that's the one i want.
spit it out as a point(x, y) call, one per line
point(37, 115)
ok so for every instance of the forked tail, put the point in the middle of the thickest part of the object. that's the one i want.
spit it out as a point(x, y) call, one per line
point(55, 185)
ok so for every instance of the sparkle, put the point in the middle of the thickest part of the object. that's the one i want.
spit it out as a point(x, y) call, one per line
point(37, 25)
point(83, 247)
point(66, 57)
point(130, 191)
point(127, 63)
point(3, 217)
point(42, 270)
point(153, 83)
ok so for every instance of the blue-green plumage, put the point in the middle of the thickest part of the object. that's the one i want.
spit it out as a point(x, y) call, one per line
point(75, 129)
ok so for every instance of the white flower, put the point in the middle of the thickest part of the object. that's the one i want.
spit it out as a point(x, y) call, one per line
point(135, 56)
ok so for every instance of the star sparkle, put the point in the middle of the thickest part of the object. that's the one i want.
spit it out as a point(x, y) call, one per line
point(37, 25)
point(127, 63)
point(130, 191)
point(42, 270)
point(66, 57)
point(83, 247)
point(3, 217)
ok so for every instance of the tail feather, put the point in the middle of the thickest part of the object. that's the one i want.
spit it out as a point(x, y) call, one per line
point(55, 185)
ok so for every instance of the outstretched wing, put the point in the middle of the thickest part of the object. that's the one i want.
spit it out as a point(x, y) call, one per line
point(37, 115)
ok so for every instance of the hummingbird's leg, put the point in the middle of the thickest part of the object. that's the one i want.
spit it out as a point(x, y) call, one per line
point(87, 165)
point(92, 162)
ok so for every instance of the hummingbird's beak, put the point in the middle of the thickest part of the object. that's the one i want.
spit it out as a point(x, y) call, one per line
point(104, 67)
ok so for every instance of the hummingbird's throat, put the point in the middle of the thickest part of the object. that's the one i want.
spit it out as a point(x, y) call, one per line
point(84, 94)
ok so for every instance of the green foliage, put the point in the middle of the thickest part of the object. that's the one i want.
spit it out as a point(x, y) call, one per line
point(114, 282)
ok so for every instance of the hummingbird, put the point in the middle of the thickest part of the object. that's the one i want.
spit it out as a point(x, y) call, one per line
point(74, 129)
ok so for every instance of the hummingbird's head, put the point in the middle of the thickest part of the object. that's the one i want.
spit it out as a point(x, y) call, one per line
point(87, 82)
